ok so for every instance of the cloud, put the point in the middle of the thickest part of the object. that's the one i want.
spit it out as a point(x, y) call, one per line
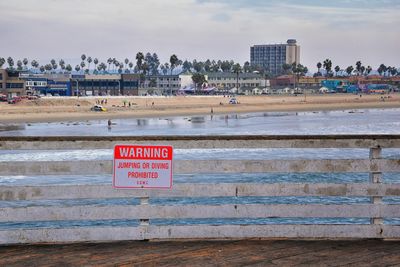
point(342, 30)
point(221, 17)
point(257, 4)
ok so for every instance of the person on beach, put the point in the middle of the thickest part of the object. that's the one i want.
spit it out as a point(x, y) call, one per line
point(109, 123)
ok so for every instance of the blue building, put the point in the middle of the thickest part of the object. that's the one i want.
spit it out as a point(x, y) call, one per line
point(62, 88)
point(43, 85)
point(338, 86)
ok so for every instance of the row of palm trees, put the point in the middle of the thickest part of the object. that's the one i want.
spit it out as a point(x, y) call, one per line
point(359, 70)
point(149, 64)
point(145, 64)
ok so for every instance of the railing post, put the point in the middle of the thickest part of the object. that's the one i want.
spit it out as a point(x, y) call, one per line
point(375, 177)
point(144, 201)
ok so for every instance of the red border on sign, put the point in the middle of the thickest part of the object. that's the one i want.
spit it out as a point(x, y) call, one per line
point(170, 157)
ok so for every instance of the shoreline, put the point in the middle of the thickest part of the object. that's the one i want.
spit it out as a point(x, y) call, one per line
point(56, 110)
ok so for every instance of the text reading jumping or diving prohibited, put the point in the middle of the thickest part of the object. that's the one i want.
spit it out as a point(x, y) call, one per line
point(142, 166)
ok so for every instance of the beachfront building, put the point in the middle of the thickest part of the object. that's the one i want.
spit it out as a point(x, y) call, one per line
point(2, 79)
point(104, 84)
point(10, 84)
point(49, 84)
point(129, 84)
point(245, 82)
point(90, 84)
point(272, 57)
point(162, 84)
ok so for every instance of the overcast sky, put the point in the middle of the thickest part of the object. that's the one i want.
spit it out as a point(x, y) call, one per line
point(343, 30)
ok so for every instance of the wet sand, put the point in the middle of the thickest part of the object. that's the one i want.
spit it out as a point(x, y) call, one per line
point(78, 109)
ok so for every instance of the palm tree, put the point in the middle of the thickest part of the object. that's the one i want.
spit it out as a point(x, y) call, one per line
point(155, 64)
point(68, 68)
point(103, 66)
point(42, 69)
point(25, 61)
point(2, 61)
point(382, 69)
point(368, 70)
point(337, 69)
point(130, 67)
point(164, 68)
point(35, 64)
point(139, 60)
point(389, 70)
point(89, 60)
point(54, 67)
point(237, 69)
point(83, 57)
point(53, 64)
point(62, 64)
point(362, 69)
point(319, 66)
point(120, 68)
point(83, 65)
point(173, 60)
point(48, 67)
point(95, 61)
point(99, 68)
point(10, 62)
point(145, 70)
point(19, 65)
point(327, 67)
point(109, 61)
point(349, 70)
point(139, 63)
point(358, 67)
point(77, 68)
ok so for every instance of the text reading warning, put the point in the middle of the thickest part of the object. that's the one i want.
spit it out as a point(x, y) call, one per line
point(143, 166)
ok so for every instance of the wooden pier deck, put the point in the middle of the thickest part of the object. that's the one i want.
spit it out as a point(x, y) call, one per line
point(249, 252)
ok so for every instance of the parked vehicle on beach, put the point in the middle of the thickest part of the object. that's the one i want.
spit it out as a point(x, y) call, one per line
point(14, 100)
point(98, 108)
point(233, 101)
point(3, 98)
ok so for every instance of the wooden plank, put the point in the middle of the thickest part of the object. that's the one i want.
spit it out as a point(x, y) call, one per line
point(228, 141)
point(208, 166)
point(85, 234)
point(197, 211)
point(206, 253)
point(106, 191)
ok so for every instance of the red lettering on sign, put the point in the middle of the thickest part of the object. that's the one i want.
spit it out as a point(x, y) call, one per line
point(143, 152)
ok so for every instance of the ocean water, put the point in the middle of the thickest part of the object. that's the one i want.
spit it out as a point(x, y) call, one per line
point(374, 121)
point(369, 121)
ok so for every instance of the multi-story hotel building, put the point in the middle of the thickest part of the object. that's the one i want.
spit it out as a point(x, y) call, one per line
point(271, 57)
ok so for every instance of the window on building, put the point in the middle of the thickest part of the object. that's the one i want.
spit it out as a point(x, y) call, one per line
point(1, 76)
point(14, 85)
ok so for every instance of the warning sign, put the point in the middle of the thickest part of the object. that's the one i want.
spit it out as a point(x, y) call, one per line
point(142, 166)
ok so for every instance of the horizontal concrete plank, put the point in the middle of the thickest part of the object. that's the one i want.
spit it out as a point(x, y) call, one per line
point(11, 193)
point(239, 141)
point(207, 166)
point(79, 234)
point(198, 211)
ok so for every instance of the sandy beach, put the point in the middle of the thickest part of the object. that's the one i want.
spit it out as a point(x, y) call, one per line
point(78, 109)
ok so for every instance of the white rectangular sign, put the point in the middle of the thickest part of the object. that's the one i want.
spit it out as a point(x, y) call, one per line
point(142, 166)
